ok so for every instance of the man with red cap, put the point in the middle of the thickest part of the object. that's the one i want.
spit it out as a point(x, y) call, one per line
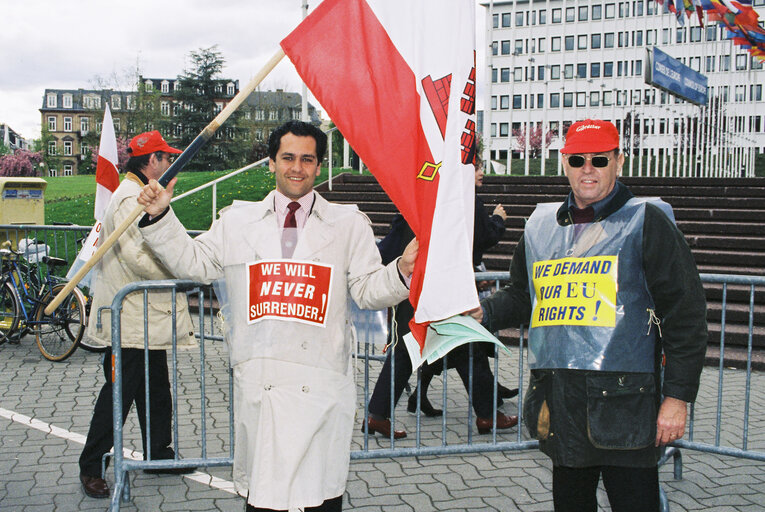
point(131, 260)
point(609, 288)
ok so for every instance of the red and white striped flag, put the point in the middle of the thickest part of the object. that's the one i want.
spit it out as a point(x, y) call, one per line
point(398, 79)
point(107, 181)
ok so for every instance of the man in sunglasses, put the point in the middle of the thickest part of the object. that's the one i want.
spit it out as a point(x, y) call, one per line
point(609, 289)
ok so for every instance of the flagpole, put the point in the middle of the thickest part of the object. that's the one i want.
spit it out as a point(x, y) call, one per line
point(188, 153)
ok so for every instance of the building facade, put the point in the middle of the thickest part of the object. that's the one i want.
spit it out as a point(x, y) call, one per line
point(12, 139)
point(550, 63)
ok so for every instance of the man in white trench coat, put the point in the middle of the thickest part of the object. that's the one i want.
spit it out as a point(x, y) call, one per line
point(289, 264)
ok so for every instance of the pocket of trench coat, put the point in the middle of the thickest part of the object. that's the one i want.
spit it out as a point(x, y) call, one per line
point(536, 413)
point(621, 411)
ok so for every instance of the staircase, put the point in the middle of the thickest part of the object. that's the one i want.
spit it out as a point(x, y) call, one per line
point(722, 219)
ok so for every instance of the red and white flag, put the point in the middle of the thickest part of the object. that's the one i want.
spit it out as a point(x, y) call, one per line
point(398, 79)
point(107, 181)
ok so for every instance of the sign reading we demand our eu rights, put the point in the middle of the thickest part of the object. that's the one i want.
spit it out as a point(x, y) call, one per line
point(668, 73)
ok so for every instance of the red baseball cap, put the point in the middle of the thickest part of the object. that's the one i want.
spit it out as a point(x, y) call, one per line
point(149, 142)
point(591, 136)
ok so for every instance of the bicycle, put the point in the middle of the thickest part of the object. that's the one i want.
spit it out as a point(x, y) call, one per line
point(25, 292)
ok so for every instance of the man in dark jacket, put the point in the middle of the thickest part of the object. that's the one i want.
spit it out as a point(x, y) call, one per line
point(608, 286)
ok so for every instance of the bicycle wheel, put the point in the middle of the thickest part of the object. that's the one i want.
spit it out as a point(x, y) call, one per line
point(59, 334)
point(9, 311)
point(85, 342)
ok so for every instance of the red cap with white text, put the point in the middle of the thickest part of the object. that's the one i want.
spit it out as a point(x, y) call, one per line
point(591, 136)
point(149, 142)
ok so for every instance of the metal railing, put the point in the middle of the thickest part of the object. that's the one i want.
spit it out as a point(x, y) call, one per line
point(454, 435)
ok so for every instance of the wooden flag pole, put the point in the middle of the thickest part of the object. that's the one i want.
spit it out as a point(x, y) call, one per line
point(188, 153)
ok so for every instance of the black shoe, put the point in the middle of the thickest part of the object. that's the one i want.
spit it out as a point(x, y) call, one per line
point(170, 471)
point(425, 406)
point(503, 392)
point(94, 486)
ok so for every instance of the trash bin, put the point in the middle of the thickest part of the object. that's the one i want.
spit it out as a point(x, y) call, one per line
point(22, 201)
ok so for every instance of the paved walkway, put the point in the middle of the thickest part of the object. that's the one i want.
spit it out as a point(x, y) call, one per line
point(45, 410)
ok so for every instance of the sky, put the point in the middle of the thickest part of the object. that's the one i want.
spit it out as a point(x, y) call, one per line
point(81, 43)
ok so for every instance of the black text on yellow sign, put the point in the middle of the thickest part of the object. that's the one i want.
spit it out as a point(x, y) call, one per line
point(575, 291)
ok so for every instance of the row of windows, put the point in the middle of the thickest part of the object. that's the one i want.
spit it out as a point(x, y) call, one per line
point(651, 126)
point(607, 98)
point(573, 14)
point(84, 124)
point(67, 171)
point(93, 100)
point(606, 69)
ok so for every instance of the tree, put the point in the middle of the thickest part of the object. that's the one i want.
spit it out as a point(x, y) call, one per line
point(535, 140)
point(196, 93)
point(122, 154)
point(20, 163)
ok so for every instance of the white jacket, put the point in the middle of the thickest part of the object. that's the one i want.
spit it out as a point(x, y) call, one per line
point(294, 398)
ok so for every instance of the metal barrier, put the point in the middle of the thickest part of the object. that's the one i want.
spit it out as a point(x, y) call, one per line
point(450, 438)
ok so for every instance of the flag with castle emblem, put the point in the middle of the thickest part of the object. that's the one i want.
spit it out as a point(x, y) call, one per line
point(398, 79)
point(107, 181)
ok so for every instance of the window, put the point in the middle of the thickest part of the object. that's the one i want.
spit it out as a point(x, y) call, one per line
point(594, 99)
point(755, 64)
point(608, 40)
point(68, 147)
point(504, 75)
point(583, 13)
point(638, 35)
point(494, 103)
point(131, 102)
point(581, 99)
point(116, 102)
point(165, 87)
point(555, 100)
point(503, 129)
point(148, 86)
point(533, 15)
point(51, 123)
point(273, 115)
point(650, 37)
point(624, 9)
point(568, 71)
point(519, 19)
point(739, 93)
point(493, 129)
point(608, 69)
point(597, 12)
point(542, 17)
point(595, 70)
point(570, 14)
point(116, 122)
point(610, 11)
point(724, 62)
point(568, 99)
point(741, 62)
point(542, 45)
point(638, 68)
point(67, 169)
point(67, 124)
point(711, 32)
point(540, 101)
point(695, 63)
point(505, 48)
point(50, 100)
point(569, 43)
point(495, 24)
point(165, 108)
point(517, 101)
point(84, 125)
point(581, 70)
point(518, 46)
point(506, 19)
point(218, 107)
point(637, 8)
point(595, 41)
point(541, 73)
point(504, 102)
point(556, 15)
point(67, 101)
point(84, 148)
point(623, 41)
point(581, 42)
point(555, 44)
point(709, 66)
point(695, 34)
point(495, 48)
point(555, 72)
point(608, 98)
point(517, 74)
point(636, 97)
point(755, 92)
point(680, 35)
point(52, 147)
point(665, 36)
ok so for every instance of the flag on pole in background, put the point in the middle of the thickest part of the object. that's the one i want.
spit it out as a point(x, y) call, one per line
point(398, 79)
point(107, 181)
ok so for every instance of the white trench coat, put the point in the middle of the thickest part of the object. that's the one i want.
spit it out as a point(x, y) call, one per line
point(294, 400)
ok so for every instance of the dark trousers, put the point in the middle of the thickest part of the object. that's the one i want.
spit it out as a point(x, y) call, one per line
point(483, 380)
point(628, 489)
point(331, 505)
point(101, 436)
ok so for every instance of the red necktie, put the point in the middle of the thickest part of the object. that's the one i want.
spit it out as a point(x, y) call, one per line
point(289, 233)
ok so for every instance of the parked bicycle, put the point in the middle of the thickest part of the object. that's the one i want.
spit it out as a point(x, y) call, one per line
point(25, 291)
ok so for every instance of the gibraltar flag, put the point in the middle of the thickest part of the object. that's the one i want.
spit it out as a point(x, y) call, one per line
point(398, 79)
point(107, 181)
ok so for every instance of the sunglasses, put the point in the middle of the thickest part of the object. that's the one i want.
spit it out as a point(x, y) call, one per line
point(597, 161)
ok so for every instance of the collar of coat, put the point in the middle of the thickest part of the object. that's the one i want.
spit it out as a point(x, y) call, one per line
point(265, 208)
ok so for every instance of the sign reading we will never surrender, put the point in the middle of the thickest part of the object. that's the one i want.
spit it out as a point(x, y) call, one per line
point(291, 290)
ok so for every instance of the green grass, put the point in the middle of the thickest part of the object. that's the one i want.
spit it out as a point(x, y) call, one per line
point(70, 199)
